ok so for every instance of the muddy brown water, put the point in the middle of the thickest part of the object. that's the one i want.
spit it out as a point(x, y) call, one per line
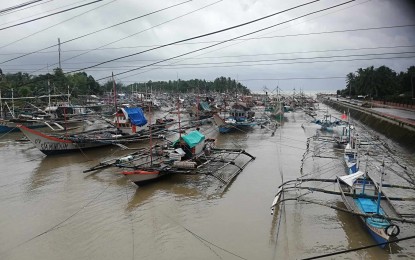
point(50, 209)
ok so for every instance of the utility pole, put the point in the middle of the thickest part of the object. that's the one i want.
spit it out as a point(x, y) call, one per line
point(59, 50)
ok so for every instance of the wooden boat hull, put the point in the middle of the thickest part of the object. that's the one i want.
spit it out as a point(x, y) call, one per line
point(376, 226)
point(51, 145)
point(145, 176)
point(226, 127)
point(9, 126)
point(235, 127)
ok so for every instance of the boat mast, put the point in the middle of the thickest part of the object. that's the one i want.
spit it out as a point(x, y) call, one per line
point(12, 104)
point(380, 187)
point(151, 137)
point(1, 105)
point(178, 117)
point(115, 91)
point(115, 100)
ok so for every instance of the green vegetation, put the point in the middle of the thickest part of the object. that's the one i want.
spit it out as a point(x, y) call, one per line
point(380, 83)
point(80, 83)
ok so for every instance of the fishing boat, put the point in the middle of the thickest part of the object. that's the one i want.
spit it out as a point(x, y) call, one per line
point(123, 130)
point(146, 175)
point(9, 120)
point(373, 205)
point(239, 118)
point(367, 198)
point(130, 120)
point(361, 194)
point(192, 153)
point(182, 155)
point(231, 124)
point(10, 125)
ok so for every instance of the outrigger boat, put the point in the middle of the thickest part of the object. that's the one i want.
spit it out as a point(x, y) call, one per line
point(10, 125)
point(373, 205)
point(362, 196)
point(116, 134)
point(190, 154)
point(367, 198)
point(233, 123)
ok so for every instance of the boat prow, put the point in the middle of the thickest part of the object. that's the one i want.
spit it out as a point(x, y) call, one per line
point(144, 176)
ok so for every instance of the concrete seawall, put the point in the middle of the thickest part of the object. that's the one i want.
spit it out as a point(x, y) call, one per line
point(392, 127)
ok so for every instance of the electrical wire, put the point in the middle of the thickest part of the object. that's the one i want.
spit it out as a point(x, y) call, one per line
point(16, 7)
point(210, 46)
point(45, 16)
point(73, 17)
point(256, 62)
point(94, 32)
point(78, 55)
point(201, 36)
point(32, 15)
point(268, 64)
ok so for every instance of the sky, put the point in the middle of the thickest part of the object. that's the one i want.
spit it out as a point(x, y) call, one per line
point(303, 44)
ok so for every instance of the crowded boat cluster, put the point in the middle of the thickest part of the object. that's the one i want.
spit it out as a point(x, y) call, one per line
point(176, 135)
point(169, 126)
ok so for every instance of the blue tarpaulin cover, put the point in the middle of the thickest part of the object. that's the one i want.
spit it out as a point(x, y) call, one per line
point(136, 116)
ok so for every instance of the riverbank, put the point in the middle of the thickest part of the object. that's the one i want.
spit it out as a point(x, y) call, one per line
point(401, 130)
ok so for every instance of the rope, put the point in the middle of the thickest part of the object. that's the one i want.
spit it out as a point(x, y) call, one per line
point(7, 132)
point(205, 240)
point(132, 227)
point(60, 223)
point(359, 248)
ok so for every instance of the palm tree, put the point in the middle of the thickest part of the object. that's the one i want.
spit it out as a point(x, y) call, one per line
point(351, 81)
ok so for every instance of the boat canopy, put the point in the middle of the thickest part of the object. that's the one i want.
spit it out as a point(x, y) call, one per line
point(193, 138)
point(349, 179)
point(136, 116)
point(204, 106)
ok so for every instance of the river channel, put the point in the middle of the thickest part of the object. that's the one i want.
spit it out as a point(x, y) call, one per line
point(50, 209)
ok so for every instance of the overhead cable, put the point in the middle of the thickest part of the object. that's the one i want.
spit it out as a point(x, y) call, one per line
point(100, 30)
point(205, 35)
point(238, 37)
point(8, 9)
point(63, 11)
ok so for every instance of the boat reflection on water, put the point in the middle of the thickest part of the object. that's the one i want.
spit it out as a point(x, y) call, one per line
point(169, 187)
point(52, 169)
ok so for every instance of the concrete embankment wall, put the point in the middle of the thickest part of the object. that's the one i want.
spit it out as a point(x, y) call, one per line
point(393, 128)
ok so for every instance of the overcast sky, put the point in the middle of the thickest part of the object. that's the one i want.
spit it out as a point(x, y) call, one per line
point(304, 54)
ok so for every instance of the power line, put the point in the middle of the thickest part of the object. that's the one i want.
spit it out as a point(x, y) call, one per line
point(289, 59)
point(180, 16)
point(338, 31)
point(304, 21)
point(193, 43)
point(16, 7)
point(88, 34)
point(203, 35)
point(257, 62)
point(32, 15)
point(263, 29)
point(239, 56)
point(268, 64)
point(63, 11)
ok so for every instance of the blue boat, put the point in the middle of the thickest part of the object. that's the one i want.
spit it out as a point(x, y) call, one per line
point(373, 206)
point(9, 126)
point(240, 118)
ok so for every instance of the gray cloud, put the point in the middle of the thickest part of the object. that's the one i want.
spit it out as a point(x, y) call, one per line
point(214, 62)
